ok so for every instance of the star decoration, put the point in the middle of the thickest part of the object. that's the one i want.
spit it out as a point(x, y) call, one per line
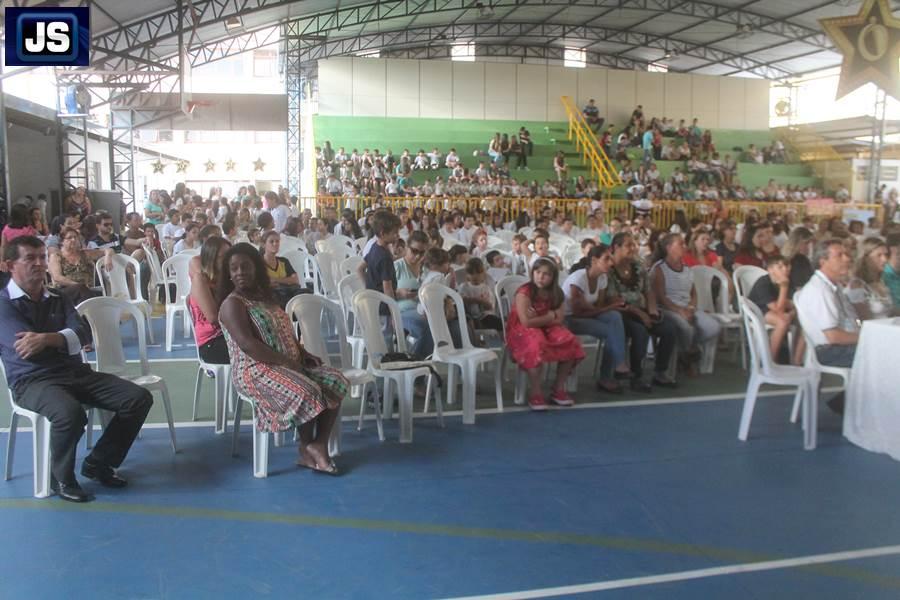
point(181, 166)
point(229, 165)
point(258, 164)
point(210, 165)
point(158, 166)
point(870, 43)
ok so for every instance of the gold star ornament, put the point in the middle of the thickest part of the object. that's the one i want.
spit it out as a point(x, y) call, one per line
point(210, 166)
point(182, 166)
point(158, 166)
point(229, 165)
point(870, 43)
point(258, 164)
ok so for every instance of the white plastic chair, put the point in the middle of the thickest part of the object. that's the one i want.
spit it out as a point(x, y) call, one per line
point(359, 244)
point(104, 316)
point(288, 243)
point(329, 272)
point(366, 305)
point(571, 255)
point(467, 358)
point(156, 273)
point(40, 437)
point(811, 360)
point(176, 271)
point(350, 266)
point(341, 245)
point(744, 277)
point(305, 266)
point(115, 285)
point(764, 370)
point(505, 290)
point(718, 308)
point(347, 287)
point(222, 376)
point(309, 311)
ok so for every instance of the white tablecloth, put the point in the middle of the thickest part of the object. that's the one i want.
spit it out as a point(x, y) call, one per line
point(872, 411)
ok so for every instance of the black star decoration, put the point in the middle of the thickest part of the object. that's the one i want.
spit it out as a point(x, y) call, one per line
point(870, 43)
point(258, 164)
point(229, 165)
point(158, 166)
point(181, 166)
point(210, 166)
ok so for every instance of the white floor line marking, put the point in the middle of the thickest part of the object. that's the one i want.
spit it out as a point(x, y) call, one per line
point(495, 411)
point(769, 565)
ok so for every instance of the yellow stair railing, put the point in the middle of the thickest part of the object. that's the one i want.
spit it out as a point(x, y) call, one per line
point(602, 168)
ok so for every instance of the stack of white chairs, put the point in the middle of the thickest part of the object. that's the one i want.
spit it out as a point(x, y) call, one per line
point(366, 308)
point(350, 265)
point(466, 358)
point(718, 308)
point(157, 278)
point(104, 316)
point(115, 284)
point(329, 268)
point(763, 369)
point(176, 274)
point(340, 245)
point(310, 311)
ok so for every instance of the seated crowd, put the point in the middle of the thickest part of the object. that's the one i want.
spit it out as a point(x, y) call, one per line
point(625, 283)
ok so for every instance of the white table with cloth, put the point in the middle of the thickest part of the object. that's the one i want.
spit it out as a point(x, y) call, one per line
point(872, 407)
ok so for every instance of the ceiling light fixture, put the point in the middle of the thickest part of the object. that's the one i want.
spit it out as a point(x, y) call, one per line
point(233, 23)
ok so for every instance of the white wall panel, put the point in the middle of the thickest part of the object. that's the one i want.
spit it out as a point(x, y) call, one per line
point(531, 85)
point(369, 106)
point(678, 101)
point(401, 107)
point(468, 81)
point(756, 106)
point(336, 86)
point(531, 112)
point(499, 84)
point(561, 81)
point(435, 109)
point(705, 93)
point(731, 103)
point(369, 77)
point(621, 98)
point(650, 90)
point(499, 110)
point(435, 82)
point(592, 84)
point(402, 79)
point(465, 109)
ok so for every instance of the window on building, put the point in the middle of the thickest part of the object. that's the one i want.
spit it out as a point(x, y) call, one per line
point(369, 54)
point(658, 68)
point(575, 57)
point(265, 63)
point(166, 135)
point(94, 176)
point(463, 52)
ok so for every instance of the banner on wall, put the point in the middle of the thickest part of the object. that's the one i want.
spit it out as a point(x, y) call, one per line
point(820, 207)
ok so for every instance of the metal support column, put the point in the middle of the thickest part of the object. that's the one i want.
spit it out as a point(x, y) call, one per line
point(877, 144)
point(293, 80)
point(73, 151)
point(5, 200)
point(121, 154)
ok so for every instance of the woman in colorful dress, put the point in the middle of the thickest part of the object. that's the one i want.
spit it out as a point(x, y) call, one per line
point(290, 387)
point(535, 333)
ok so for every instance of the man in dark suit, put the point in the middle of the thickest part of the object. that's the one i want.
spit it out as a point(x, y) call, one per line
point(41, 336)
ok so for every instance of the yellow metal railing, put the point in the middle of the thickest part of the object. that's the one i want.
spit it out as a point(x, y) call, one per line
point(593, 153)
point(662, 214)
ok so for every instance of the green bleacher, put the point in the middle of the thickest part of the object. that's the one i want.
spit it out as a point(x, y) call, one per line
point(468, 136)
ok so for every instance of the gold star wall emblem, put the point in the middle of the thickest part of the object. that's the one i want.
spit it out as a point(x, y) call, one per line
point(229, 165)
point(870, 43)
point(258, 164)
point(182, 166)
point(158, 166)
point(210, 165)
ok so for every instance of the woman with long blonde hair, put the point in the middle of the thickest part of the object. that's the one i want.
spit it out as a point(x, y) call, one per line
point(866, 290)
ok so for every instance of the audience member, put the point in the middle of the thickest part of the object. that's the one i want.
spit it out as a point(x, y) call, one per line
point(866, 290)
point(773, 294)
point(206, 272)
point(283, 279)
point(891, 274)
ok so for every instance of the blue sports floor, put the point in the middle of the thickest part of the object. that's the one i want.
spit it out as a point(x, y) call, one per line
point(651, 501)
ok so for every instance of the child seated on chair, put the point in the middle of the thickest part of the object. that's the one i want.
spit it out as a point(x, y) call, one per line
point(478, 296)
point(437, 268)
point(772, 293)
point(535, 334)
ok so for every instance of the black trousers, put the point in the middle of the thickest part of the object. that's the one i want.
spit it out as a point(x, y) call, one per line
point(666, 334)
point(62, 398)
point(215, 351)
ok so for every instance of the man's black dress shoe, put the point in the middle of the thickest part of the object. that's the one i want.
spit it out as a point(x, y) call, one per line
point(103, 474)
point(71, 492)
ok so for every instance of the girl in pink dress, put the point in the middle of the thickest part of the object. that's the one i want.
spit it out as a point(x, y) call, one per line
point(535, 334)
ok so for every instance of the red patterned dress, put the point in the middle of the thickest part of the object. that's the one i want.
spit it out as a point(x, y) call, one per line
point(284, 398)
point(533, 346)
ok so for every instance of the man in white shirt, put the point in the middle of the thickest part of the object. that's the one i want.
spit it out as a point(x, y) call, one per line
point(825, 313)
